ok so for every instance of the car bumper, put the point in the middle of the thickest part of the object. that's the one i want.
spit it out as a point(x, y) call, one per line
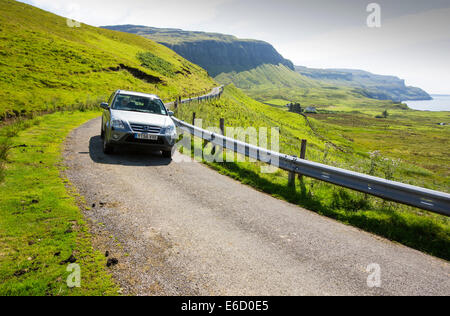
point(127, 138)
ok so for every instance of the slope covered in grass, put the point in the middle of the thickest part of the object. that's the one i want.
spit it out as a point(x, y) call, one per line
point(346, 138)
point(45, 64)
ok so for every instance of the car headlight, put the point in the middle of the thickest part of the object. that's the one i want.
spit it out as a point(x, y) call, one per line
point(118, 124)
point(169, 130)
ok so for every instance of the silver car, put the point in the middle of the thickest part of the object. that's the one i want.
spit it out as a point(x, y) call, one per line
point(132, 118)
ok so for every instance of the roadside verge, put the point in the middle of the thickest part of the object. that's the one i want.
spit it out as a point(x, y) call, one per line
point(42, 230)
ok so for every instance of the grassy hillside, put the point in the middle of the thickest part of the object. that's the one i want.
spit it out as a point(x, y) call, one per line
point(45, 64)
point(389, 149)
point(411, 136)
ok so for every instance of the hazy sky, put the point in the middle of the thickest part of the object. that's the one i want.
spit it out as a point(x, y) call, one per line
point(413, 41)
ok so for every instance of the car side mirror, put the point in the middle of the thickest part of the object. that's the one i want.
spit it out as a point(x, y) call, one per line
point(171, 113)
point(104, 106)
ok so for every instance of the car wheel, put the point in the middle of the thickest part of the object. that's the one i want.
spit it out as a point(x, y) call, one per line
point(107, 148)
point(167, 153)
point(102, 131)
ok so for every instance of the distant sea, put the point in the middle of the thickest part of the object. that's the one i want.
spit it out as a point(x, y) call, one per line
point(440, 102)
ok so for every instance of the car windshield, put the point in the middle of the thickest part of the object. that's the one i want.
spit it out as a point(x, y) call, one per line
point(139, 104)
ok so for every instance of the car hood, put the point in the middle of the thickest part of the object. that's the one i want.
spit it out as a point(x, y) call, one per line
point(142, 118)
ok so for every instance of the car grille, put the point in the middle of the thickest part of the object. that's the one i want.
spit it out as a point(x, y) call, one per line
point(142, 128)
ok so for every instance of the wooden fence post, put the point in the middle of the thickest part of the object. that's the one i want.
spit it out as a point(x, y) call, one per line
point(302, 155)
point(222, 126)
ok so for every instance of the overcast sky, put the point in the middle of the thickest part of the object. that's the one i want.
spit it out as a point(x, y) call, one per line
point(413, 41)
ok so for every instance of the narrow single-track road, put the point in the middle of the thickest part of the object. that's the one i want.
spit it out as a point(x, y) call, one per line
point(183, 229)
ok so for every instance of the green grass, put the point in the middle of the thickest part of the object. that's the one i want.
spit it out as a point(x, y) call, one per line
point(280, 103)
point(410, 136)
point(46, 65)
point(40, 223)
point(412, 227)
point(155, 63)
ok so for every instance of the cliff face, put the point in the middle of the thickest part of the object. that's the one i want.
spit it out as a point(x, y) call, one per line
point(371, 85)
point(217, 53)
point(218, 57)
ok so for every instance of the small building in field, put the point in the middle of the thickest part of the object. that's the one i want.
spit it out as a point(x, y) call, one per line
point(310, 109)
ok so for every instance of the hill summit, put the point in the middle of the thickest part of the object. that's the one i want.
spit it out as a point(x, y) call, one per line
point(217, 53)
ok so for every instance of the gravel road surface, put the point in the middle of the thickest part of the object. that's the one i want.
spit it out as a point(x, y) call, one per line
point(183, 229)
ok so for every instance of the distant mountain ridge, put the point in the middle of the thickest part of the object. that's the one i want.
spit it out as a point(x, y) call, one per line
point(373, 86)
point(217, 53)
point(247, 62)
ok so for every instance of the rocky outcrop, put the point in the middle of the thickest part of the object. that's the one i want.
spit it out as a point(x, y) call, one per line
point(239, 55)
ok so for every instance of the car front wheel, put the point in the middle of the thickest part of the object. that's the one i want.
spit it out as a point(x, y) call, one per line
point(102, 131)
point(167, 153)
point(107, 148)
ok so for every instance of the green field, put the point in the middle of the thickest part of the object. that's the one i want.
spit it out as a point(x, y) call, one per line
point(41, 224)
point(419, 164)
point(277, 102)
point(46, 65)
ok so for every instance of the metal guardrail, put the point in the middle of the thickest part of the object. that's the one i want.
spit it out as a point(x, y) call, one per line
point(213, 94)
point(434, 201)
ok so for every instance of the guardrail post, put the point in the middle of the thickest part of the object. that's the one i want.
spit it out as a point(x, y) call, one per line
point(291, 179)
point(193, 118)
point(302, 155)
point(222, 130)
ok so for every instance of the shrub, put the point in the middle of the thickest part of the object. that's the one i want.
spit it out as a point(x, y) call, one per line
point(5, 146)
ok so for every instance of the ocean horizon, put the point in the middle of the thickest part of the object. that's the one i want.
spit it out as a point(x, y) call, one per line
point(440, 103)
